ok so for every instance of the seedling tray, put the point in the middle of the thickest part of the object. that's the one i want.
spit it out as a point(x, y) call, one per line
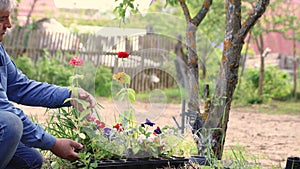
point(143, 163)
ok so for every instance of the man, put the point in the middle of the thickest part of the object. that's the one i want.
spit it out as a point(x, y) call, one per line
point(19, 136)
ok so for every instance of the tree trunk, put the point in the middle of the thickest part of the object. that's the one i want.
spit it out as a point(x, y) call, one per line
point(235, 34)
point(261, 76)
point(193, 74)
point(192, 59)
point(260, 45)
point(245, 57)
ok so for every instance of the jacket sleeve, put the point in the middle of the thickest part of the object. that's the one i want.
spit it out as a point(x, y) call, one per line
point(32, 93)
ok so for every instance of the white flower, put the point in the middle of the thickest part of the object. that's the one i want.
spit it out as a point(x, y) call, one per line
point(141, 138)
point(151, 138)
point(169, 131)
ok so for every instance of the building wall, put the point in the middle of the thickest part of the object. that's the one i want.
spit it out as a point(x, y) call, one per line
point(41, 9)
point(276, 42)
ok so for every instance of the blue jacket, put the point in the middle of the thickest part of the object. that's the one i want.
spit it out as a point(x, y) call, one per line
point(16, 87)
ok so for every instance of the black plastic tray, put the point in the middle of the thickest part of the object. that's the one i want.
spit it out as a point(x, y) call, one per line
point(148, 163)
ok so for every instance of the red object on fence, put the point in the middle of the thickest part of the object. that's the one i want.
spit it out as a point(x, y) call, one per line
point(123, 54)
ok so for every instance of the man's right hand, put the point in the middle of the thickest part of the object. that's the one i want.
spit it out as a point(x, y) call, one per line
point(64, 148)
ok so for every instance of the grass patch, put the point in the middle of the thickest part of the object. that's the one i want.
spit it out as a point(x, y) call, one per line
point(175, 96)
point(281, 107)
point(273, 107)
point(172, 95)
point(239, 157)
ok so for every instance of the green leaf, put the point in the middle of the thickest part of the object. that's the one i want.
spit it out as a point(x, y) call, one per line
point(82, 136)
point(148, 134)
point(79, 101)
point(67, 100)
point(83, 114)
point(55, 165)
point(88, 131)
point(131, 95)
point(100, 106)
point(121, 94)
point(123, 90)
point(131, 5)
point(127, 79)
point(142, 130)
point(130, 118)
point(81, 155)
point(135, 149)
point(94, 165)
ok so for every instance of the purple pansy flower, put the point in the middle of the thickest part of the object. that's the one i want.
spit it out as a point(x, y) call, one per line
point(157, 131)
point(148, 122)
point(107, 131)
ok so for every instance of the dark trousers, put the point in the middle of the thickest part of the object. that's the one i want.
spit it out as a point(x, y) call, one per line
point(13, 153)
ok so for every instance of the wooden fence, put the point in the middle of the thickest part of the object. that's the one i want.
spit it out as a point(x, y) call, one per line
point(148, 52)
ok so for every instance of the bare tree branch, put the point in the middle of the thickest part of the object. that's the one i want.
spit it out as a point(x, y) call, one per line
point(185, 10)
point(252, 19)
point(202, 12)
point(30, 12)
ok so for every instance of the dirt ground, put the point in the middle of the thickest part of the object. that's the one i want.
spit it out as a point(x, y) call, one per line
point(270, 138)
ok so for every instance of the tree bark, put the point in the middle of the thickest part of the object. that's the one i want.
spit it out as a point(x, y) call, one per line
point(192, 60)
point(180, 62)
point(261, 76)
point(193, 68)
point(260, 45)
point(235, 34)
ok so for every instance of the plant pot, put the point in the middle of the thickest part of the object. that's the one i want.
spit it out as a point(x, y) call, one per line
point(293, 163)
point(145, 163)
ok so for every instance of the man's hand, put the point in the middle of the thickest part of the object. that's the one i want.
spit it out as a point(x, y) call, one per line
point(64, 148)
point(81, 94)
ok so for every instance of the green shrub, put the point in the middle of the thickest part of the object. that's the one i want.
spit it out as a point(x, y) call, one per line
point(97, 80)
point(25, 64)
point(45, 70)
point(277, 85)
point(103, 81)
point(51, 70)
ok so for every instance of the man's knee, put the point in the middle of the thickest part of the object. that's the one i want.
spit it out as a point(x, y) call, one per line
point(11, 126)
point(26, 158)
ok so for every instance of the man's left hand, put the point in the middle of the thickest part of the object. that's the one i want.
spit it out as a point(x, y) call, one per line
point(82, 95)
